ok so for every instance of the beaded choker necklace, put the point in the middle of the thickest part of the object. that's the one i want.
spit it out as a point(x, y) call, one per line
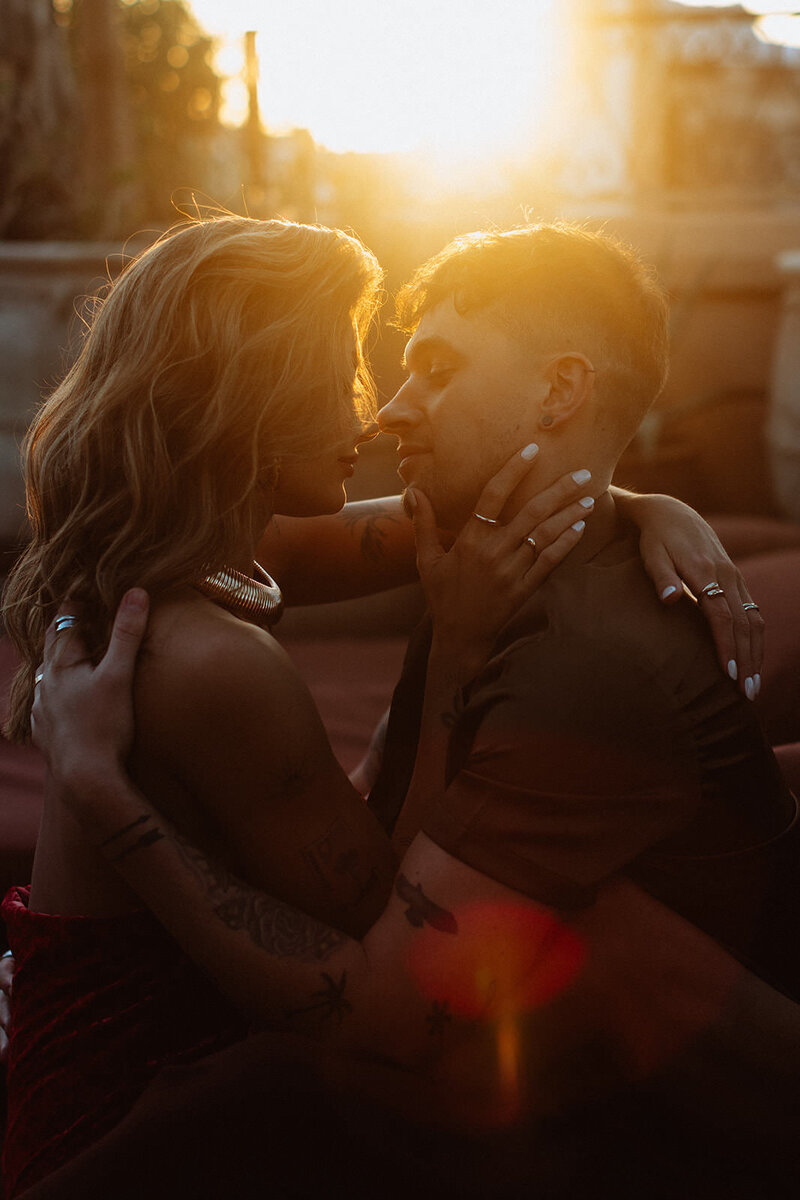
point(252, 600)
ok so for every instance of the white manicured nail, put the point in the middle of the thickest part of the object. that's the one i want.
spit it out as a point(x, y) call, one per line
point(733, 670)
point(529, 452)
point(587, 502)
point(749, 688)
point(757, 682)
point(581, 476)
point(579, 526)
point(669, 591)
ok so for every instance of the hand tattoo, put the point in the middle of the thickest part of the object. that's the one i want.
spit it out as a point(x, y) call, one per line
point(421, 910)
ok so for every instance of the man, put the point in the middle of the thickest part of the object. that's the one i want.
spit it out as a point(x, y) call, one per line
point(596, 777)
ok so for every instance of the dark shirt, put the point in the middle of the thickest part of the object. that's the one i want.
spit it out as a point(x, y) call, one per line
point(603, 737)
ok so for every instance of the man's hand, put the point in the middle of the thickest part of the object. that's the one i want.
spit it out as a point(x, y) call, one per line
point(678, 547)
point(6, 980)
point(82, 715)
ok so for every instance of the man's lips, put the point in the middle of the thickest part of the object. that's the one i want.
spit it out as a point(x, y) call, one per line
point(407, 451)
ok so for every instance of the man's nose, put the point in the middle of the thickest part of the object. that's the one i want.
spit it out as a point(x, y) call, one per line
point(399, 411)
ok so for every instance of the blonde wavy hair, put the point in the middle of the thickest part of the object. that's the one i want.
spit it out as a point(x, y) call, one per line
point(225, 347)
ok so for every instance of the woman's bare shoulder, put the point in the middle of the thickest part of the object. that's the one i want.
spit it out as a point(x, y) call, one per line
point(207, 679)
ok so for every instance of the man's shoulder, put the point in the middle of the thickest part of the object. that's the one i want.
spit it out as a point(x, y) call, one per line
point(603, 618)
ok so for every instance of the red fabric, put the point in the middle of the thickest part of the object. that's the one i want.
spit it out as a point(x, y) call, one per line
point(99, 1006)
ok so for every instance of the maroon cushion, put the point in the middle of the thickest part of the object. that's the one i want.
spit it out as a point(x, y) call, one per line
point(21, 780)
point(774, 582)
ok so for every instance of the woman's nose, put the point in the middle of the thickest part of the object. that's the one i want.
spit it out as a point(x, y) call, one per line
point(368, 433)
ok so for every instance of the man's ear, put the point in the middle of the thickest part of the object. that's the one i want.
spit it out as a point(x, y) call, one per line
point(571, 384)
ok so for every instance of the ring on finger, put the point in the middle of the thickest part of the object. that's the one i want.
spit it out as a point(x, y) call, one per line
point(751, 606)
point(38, 677)
point(65, 622)
point(488, 520)
point(532, 543)
point(712, 589)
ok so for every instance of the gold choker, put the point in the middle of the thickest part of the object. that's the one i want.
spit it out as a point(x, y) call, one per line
point(252, 600)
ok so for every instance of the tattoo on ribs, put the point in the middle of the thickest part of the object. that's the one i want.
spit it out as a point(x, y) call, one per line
point(327, 1002)
point(438, 1019)
point(421, 910)
point(271, 925)
point(372, 536)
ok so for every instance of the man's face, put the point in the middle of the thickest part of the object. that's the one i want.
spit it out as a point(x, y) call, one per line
point(470, 400)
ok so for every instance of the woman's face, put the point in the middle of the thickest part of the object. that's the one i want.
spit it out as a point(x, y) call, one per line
point(315, 485)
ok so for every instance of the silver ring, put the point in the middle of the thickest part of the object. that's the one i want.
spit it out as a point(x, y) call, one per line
point(712, 589)
point(488, 520)
point(751, 605)
point(532, 543)
point(7, 954)
point(38, 677)
point(65, 622)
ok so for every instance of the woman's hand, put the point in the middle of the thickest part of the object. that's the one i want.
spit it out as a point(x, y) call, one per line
point(678, 548)
point(491, 569)
point(82, 718)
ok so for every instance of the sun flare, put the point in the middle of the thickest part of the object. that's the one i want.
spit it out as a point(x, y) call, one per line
point(456, 78)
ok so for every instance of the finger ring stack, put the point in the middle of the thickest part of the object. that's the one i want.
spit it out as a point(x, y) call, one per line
point(488, 520)
point(65, 622)
point(712, 589)
point(751, 605)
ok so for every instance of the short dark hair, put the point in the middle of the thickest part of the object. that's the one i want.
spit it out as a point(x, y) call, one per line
point(560, 284)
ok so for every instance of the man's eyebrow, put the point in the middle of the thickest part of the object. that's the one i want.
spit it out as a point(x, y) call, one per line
point(428, 345)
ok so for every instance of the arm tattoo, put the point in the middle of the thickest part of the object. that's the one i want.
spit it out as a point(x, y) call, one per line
point(327, 1002)
point(372, 537)
point(278, 928)
point(127, 828)
point(129, 845)
point(141, 843)
point(423, 911)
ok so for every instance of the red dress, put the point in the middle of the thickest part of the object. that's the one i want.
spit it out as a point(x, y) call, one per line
point(99, 1005)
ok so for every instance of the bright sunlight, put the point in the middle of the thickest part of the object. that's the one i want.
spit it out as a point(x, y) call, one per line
point(457, 78)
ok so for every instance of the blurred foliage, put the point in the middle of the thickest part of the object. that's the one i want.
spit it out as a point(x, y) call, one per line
point(174, 95)
point(106, 108)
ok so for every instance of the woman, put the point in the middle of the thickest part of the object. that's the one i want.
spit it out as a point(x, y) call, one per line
point(222, 382)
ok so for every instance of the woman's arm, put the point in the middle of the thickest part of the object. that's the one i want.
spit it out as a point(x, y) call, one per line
point(366, 547)
point(679, 548)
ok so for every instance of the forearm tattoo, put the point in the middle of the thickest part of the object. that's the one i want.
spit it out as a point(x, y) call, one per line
point(126, 842)
point(275, 927)
point(372, 535)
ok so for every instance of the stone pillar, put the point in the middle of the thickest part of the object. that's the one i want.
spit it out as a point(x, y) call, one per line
point(40, 286)
point(783, 428)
